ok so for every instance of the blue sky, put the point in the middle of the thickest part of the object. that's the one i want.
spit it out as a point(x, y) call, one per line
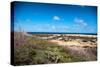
point(37, 17)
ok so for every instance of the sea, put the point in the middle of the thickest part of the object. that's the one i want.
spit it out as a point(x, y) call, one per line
point(60, 33)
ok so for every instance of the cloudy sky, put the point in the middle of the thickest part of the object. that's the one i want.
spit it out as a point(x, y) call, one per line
point(35, 17)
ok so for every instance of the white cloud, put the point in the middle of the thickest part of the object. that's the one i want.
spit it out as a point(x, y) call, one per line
point(53, 27)
point(56, 17)
point(80, 22)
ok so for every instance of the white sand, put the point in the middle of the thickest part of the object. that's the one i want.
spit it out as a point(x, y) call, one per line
point(72, 43)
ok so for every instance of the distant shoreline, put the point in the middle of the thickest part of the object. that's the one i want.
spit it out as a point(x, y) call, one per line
point(61, 33)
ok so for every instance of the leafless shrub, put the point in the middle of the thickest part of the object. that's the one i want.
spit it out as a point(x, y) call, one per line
point(19, 37)
point(87, 53)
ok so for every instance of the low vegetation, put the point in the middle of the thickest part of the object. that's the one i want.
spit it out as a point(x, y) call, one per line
point(30, 50)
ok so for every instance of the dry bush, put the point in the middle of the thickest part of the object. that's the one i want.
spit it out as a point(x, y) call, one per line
point(87, 53)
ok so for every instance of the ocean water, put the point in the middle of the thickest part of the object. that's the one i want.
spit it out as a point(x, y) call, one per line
point(60, 33)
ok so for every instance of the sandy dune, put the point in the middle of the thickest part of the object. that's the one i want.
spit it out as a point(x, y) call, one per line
point(76, 40)
point(72, 43)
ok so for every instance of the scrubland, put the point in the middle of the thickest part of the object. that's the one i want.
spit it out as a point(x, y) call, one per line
point(36, 49)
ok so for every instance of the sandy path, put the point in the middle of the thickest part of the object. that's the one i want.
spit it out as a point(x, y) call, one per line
point(72, 43)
